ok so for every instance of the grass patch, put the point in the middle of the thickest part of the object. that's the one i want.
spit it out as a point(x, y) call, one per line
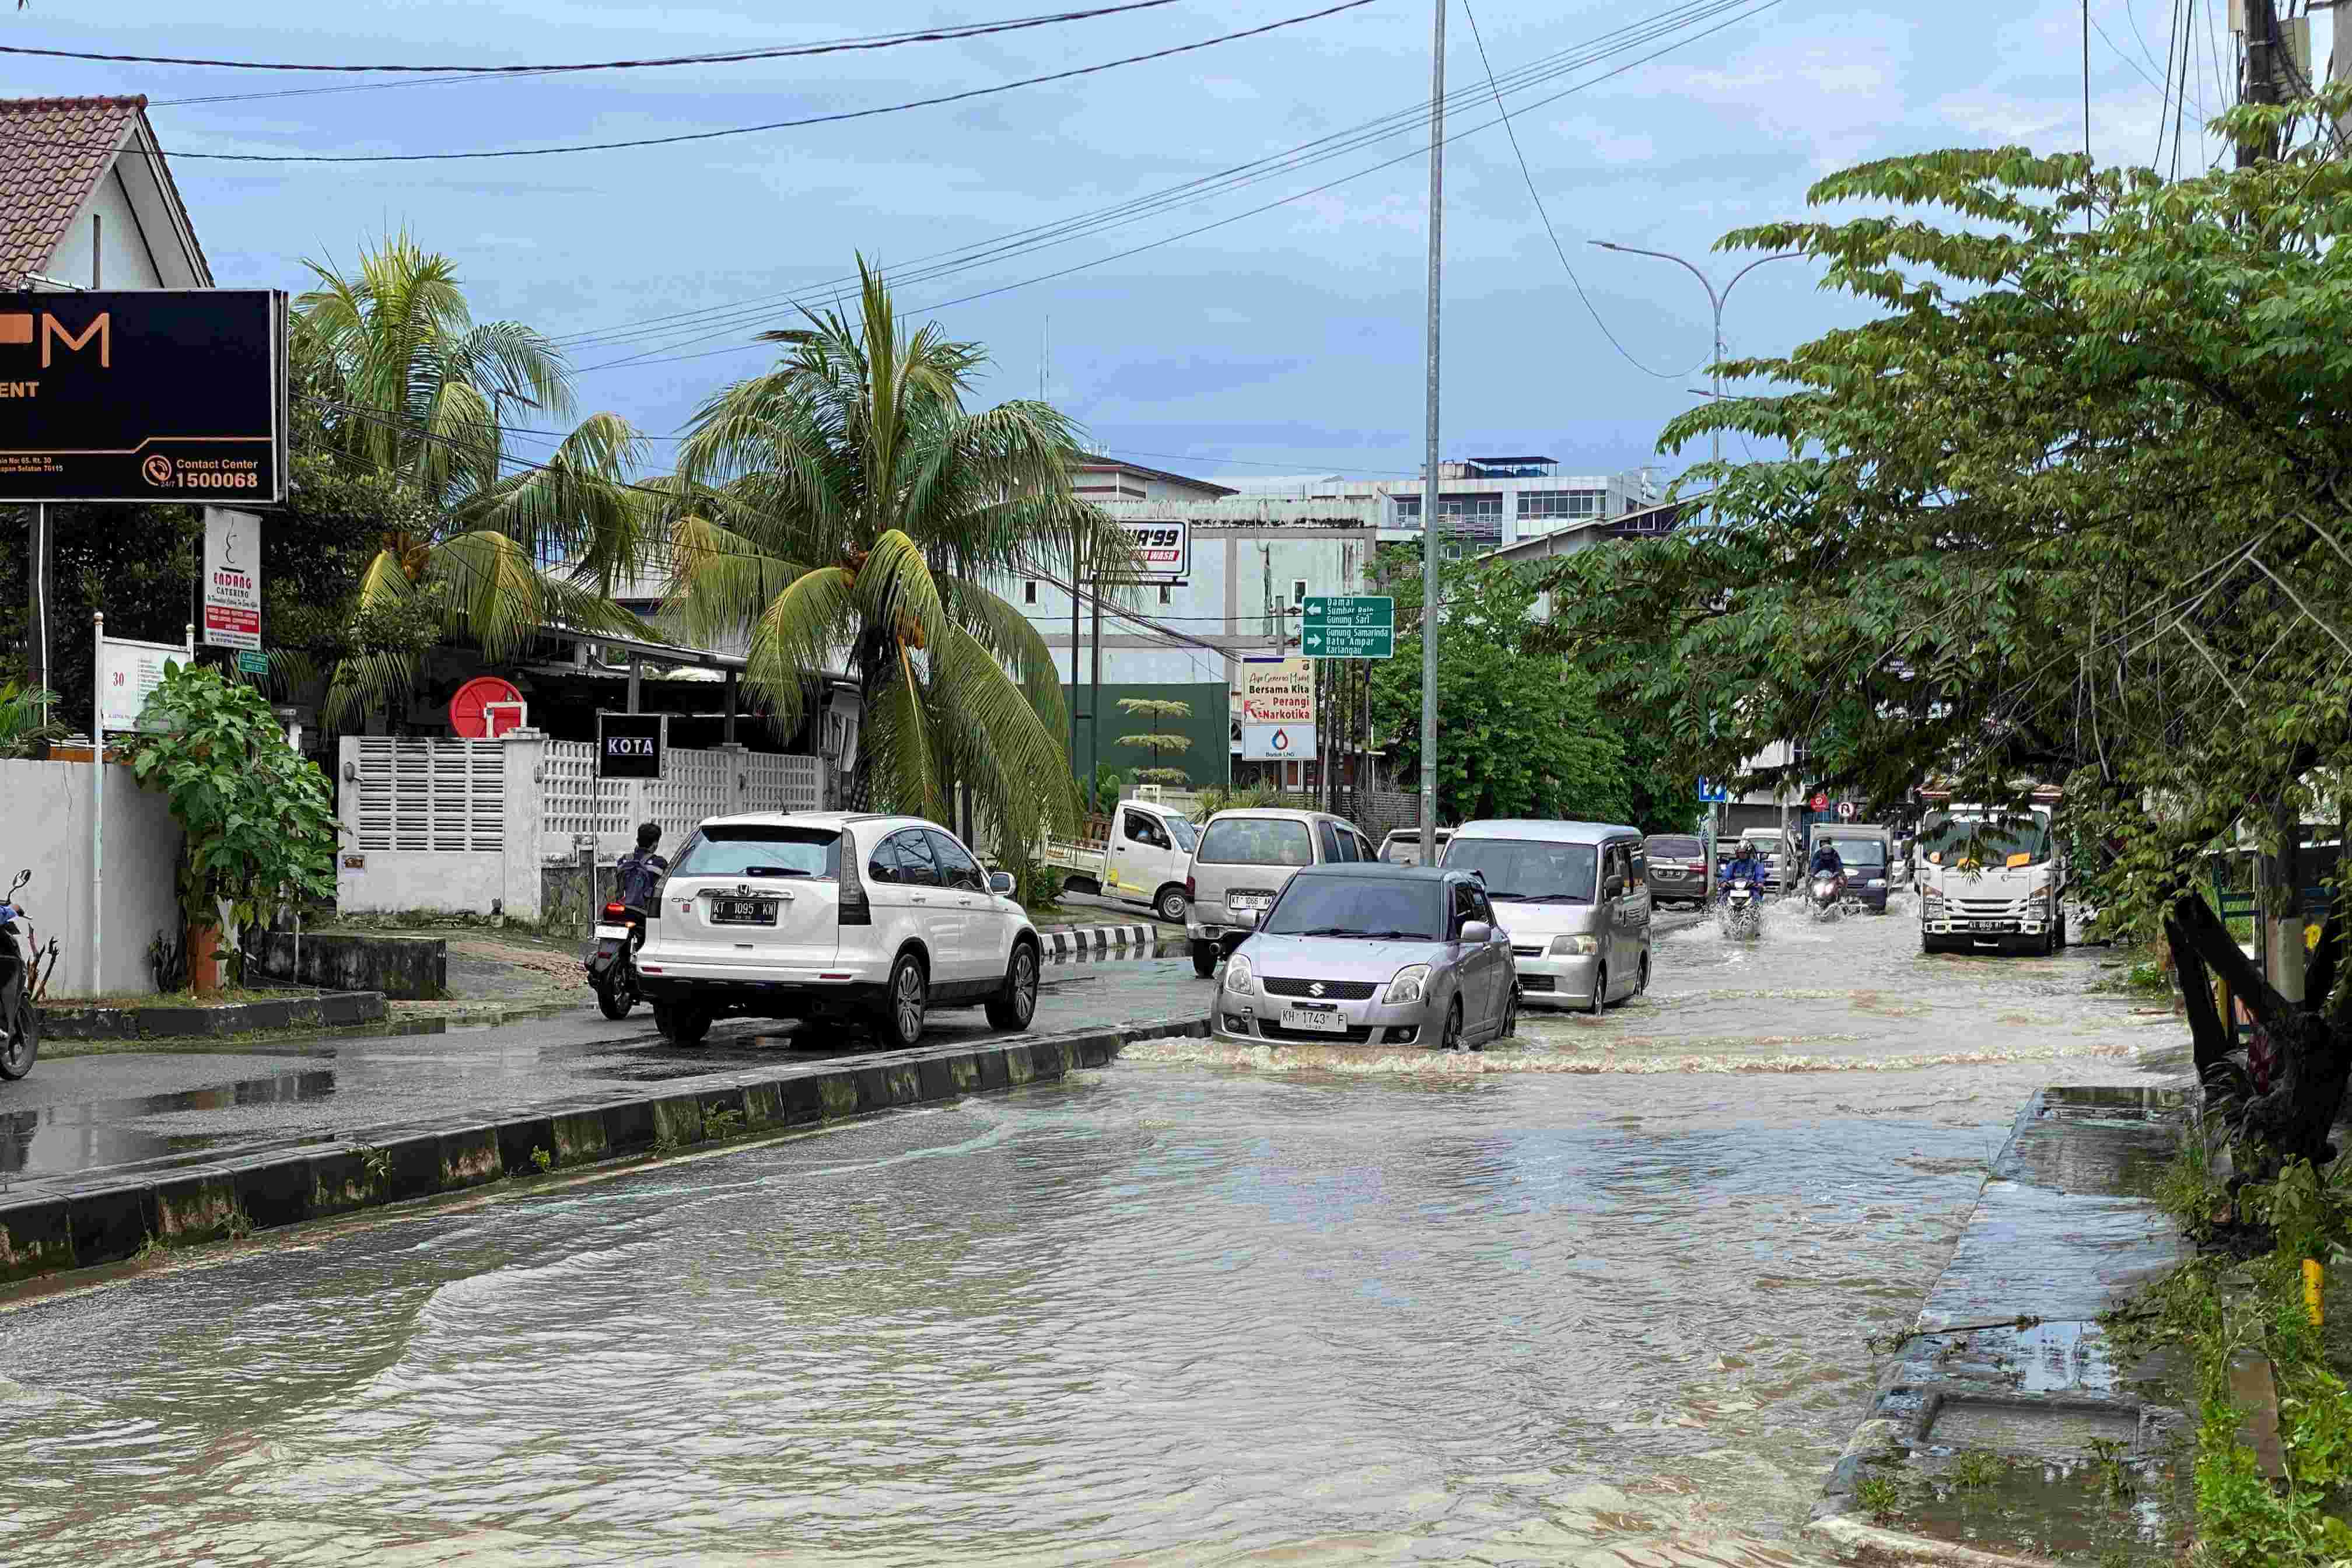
point(2245, 1293)
point(233, 997)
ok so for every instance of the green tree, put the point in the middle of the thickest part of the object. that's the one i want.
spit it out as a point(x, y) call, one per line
point(1521, 732)
point(848, 506)
point(258, 819)
point(1158, 709)
point(411, 388)
point(2071, 507)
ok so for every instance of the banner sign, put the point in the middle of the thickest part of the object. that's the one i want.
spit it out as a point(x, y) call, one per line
point(142, 395)
point(1278, 742)
point(232, 578)
point(629, 746)
point(1278, 691)
point(1164, 548)
point(127, 672)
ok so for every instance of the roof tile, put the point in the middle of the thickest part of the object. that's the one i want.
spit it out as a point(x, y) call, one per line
point(53, 152)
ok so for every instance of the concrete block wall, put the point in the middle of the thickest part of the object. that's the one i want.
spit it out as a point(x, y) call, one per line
point(48, 822)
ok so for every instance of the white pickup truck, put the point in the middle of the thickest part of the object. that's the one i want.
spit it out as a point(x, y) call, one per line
point(1144, 861)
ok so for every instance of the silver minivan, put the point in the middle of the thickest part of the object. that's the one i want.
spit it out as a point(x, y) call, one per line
point(1575, 897)
point(1244, 858)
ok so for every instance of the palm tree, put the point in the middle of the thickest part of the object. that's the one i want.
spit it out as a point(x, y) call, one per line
point(413, 387)
point(846, 508)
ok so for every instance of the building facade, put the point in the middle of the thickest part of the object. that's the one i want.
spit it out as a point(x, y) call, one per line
point(1483, 503)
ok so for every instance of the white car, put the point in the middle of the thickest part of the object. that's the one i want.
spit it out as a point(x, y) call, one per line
point(828, 914)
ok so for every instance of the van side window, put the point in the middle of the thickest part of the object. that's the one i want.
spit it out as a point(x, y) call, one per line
point(1640, 854)
point(1364, 847)
point(1330, 841)
point(1612, 869)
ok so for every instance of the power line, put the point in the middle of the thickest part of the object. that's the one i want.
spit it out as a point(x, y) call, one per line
point(653, 357)
point(733, 131)
point(1537, 196)
point(950, 34)
point(1684, 13)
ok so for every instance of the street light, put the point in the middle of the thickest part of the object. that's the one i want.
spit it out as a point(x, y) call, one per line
point(1713, 297)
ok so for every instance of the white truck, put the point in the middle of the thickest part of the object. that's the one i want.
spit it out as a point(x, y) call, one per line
point(1144, 860)
point(1991, 878)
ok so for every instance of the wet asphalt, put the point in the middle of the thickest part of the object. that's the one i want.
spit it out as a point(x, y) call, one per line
point(136, 1111)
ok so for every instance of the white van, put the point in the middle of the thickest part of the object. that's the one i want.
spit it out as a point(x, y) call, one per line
point(1574, 896)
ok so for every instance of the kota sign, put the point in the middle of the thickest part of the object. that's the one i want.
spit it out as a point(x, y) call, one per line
point(144, 396)
point(232, 578)
point(629, 746)
point(1349, 626)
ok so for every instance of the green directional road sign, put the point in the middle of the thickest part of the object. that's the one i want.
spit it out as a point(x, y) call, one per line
point(1349, 625)
point(252, 661)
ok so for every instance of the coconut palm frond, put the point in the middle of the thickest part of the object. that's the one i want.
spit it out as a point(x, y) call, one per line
point(795, 636)
point(896, 591)
point(904, 771)
point(577, 506)
point(719, 583)
point(1010, 638)
point(494, 594)
point(1018, 758)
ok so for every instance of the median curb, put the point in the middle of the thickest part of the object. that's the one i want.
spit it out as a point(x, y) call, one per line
point(1061, 942)
point(49, 1224)
point(65, 1021)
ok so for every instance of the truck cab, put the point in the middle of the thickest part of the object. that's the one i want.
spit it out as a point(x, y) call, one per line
point(1991, 877)
point(1143, 861)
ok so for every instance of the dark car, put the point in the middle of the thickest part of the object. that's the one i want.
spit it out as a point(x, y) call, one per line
point(1677, 868)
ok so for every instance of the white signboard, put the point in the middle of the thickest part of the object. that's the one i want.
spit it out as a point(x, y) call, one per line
point(1277, 742)
point(232, 578)
point(127, 672)
point(1278, 691)
point(1163, 548)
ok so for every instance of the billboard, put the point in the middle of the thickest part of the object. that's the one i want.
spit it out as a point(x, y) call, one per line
point(1277, 742)
point(146, 395)
point(1163, 546)
point(232, 578)
point(1278, 691)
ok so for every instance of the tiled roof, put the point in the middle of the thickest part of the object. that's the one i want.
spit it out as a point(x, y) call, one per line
point(53, 152)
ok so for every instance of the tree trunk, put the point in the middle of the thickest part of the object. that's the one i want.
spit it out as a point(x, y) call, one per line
point(2310, 1040)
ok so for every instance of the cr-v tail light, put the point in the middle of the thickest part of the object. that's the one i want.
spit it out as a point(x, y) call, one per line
point(855, 911)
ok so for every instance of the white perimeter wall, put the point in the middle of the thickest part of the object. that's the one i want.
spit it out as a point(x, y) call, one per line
point(47, 829)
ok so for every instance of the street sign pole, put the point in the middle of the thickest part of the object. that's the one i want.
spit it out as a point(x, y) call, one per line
point(1428, 480)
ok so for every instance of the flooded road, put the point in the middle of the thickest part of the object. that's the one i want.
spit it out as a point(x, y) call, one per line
point(1598, 1297)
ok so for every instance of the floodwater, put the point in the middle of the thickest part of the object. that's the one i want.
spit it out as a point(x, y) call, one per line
point(1598, 1297)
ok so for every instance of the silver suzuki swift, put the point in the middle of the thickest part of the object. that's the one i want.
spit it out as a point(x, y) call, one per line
point(1373, 955)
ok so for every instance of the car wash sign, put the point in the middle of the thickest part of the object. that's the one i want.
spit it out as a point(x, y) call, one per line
point(150, 395)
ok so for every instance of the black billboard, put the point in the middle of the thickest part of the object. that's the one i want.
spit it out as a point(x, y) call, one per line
point(143, 395)
point(629, 746)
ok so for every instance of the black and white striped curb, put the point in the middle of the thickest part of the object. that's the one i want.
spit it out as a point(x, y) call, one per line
point(1098, 938)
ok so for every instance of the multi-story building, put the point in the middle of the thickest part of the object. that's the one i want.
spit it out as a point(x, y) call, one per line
point(1482, 502)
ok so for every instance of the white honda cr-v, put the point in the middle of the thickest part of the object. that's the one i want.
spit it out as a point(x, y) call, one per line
point(828, 914)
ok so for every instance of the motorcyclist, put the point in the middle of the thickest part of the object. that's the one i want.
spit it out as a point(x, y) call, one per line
point(1742, 866)
point(1827, 861)
point(639, 874)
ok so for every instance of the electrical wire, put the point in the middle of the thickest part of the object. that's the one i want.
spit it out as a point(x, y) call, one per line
point(950, 34)
point(681, 137)
point(653, 356)
point(2172, 39)
point(1533, 194)
point(1322, 149)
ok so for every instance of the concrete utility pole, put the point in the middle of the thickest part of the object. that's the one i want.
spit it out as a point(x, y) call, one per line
point(1429, 593)
point(2266, 71)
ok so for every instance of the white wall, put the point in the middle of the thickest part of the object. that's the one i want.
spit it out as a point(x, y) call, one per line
point(49, 818)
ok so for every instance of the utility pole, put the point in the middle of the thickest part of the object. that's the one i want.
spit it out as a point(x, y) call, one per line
point(2264, 70)
point(1093, 696)
point(1429, 593)
point(38, 564)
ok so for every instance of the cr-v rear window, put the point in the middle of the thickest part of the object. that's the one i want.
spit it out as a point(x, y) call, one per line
point(748, 849)
point(1256, 841)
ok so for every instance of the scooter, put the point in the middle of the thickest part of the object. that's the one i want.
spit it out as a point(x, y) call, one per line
point(612, 969)
point(1742, 911)
point(1828, 897)
point(23, 981)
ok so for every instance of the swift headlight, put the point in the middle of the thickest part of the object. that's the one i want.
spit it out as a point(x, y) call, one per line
point(1575, 946)
point(1409, 983)
point(1240, 978)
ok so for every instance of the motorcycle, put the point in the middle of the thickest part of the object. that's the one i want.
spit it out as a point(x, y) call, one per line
point(1742, 910)
point(1827, 896)
point(612, 969)
point(23, 983)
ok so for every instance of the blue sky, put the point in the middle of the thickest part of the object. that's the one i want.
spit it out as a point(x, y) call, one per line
point(1289, 341)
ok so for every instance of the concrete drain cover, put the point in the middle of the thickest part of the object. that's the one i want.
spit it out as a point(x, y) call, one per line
point(2045, 1428)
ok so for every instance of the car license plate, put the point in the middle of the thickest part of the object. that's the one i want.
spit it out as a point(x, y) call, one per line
point(620, 931)
point(742, 911)
point(1331, 1023)
point(1251, 901)
point(1993, 925)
